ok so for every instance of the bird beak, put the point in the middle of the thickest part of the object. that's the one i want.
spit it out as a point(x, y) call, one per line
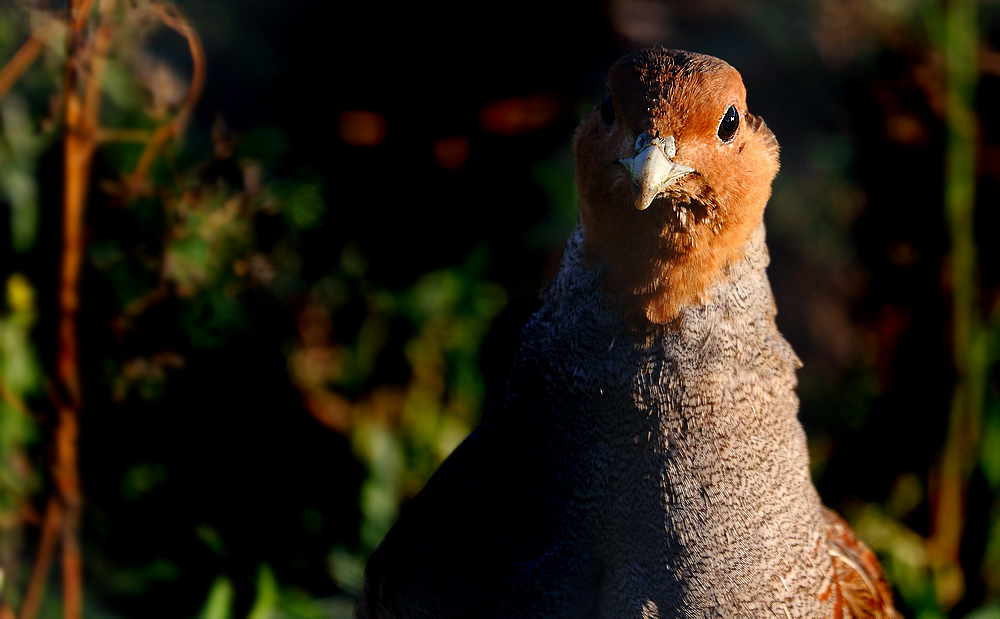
point(652, 168)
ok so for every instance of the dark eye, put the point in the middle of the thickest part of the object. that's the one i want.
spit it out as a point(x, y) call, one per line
point(730, 123)
point(608, 110)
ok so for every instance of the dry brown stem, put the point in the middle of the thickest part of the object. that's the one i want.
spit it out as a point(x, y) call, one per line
point(81, 116)
point(43, 562)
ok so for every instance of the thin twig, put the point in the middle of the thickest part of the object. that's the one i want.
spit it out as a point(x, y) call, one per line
point(98, 63)
point(153, 146)
point(123, 135)
point(43, 562)
point(24, 57)
point(960, 47)
point(80, 13)
point(14, 400)
point(172, 17)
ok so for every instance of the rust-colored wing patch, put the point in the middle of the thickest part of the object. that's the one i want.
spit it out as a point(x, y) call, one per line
point(856, 582)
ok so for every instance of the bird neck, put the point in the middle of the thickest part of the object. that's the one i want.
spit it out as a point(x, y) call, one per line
point(737, 285)
point(656, 271)
point(734, 283)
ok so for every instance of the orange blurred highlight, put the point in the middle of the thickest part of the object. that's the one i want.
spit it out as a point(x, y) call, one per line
point(452, 152)
point(520, 115)
point(905, 129)
point(362, 128)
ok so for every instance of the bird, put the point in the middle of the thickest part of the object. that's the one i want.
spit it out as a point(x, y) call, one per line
point(645, 458)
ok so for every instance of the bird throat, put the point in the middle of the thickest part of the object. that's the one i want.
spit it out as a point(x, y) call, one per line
point(659, 261)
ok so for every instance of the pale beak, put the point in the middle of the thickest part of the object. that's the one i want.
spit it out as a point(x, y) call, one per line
point(652, 168)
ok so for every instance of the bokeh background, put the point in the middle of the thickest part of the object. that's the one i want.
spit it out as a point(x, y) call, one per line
point(300, 282)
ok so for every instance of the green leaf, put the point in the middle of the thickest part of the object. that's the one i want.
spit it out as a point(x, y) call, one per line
point(303, 205)
point(985, 612)
point(220, 600)
point(348, 570)
point(267, 595)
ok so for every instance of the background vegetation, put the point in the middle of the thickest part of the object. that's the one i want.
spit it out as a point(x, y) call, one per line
point(263, 262)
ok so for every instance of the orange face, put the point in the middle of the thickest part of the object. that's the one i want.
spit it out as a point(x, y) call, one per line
point(673, 175)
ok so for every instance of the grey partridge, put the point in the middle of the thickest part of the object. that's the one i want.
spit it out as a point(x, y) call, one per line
point(646, 459)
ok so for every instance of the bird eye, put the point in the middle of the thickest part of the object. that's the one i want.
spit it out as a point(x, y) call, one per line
point(608, 110)
point(729, 124)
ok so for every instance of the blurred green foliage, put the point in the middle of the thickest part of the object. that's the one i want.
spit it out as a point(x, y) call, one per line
point(175, 270)
point(20, 378)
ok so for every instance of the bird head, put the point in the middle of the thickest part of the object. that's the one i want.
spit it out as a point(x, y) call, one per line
point(673, 175)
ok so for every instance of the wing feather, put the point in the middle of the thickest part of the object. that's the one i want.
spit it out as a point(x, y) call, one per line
point(859, 587)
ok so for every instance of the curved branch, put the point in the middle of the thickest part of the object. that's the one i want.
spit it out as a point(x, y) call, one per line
point(171, 16)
